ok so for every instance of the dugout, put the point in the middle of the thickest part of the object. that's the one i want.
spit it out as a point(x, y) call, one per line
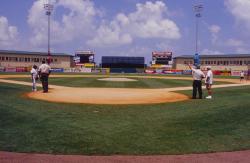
point(122, 64)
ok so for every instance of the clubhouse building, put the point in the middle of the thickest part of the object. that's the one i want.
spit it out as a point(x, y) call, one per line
point(234, 62)
point(24, 59)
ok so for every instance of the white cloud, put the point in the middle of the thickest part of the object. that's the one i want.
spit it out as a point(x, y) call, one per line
point(238, 45)
point(240, 10)
point(210, 52)
point(242, 50)
point(108, 36)
point(164, 46)
point(234, 42)
point(77, 23)
point(214, 30)
point(148, 21)
point(8, 33)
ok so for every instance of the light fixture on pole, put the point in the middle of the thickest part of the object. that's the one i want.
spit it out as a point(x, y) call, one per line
point(197, 9)
point(49, 8)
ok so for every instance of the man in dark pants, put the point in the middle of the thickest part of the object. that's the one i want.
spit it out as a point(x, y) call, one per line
point(198, 75)
point(44, 71)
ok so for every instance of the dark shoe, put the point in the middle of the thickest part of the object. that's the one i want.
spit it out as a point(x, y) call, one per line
point(45, 91)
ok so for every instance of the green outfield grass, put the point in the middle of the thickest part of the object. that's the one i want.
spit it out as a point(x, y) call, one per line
point(94, 82)
point(194, 126)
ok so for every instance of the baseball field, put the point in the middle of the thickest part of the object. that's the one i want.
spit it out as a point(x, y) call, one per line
point(122, 114)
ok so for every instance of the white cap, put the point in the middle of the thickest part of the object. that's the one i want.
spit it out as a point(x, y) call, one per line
point(208, 67)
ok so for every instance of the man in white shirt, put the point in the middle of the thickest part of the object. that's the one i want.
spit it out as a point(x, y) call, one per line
point(198, 75)
point(34, 77)
point(242, 75)
point(44, 71)
point(209, 82)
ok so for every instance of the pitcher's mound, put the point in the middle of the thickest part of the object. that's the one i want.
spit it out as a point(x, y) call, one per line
point(118, 79)
point(107, 96)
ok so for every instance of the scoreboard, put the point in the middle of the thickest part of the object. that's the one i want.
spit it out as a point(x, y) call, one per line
point(84, 57)
point(161, 58)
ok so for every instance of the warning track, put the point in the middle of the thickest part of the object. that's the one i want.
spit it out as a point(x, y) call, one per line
point(222, 157)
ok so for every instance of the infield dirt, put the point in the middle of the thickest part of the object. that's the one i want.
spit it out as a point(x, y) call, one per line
point(64, 94)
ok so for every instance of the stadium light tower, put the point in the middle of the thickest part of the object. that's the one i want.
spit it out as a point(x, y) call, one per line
point(197, 9)
point(48, 8)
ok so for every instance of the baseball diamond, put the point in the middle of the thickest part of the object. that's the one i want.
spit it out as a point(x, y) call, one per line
point(112, 95)
point(84, 99)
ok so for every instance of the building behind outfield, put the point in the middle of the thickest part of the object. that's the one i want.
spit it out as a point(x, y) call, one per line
point(118, 64)
point(217, 62)
point(28, 59)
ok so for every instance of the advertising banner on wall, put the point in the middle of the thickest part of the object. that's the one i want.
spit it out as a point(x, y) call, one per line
point(2, 69)
point(216, 72)
point(86, 65)
point(187, 72)
point(226, 73)
point(177, 72)
point(10, 69)
point(149, 71)
point(235, 73)
point(71, 70)
point(158, 71)
point(21, 69)
point(86, 70)
point(57, 70)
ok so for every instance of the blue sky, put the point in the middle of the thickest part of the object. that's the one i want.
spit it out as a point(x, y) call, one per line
point(126, 27)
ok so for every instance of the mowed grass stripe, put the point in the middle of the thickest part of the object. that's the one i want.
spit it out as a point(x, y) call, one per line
point(94, 82)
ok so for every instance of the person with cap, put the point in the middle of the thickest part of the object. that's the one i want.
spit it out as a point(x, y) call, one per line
point(198, 75)
point(209, 82)
point(44, 71)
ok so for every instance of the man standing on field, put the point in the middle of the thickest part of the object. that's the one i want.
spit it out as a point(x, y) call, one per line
point(44, 71)
point(209, 82)
point(198, 75)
